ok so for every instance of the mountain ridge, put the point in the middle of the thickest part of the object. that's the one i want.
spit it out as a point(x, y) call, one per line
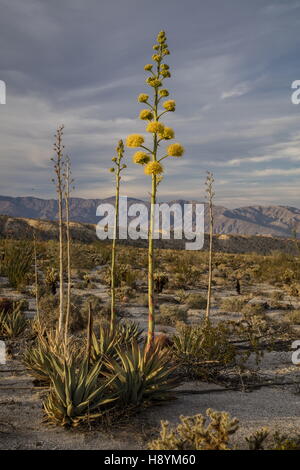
point(273, 220)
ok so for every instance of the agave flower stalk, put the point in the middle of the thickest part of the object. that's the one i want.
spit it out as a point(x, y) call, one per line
point(150, 156)
point(116, 169)
point(36, 278)
point(68, 182)
point(58, 161)
point(210, 195)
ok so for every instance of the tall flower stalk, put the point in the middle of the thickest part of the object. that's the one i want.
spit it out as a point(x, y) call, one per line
point(210, 195)
point(58, 161)
point(67, 189)
point(150, 157)
point(116, 169)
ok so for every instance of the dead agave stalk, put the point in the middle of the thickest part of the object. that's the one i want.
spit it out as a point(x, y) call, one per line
point(67, 188)
point(210, 195)
point(58, 161)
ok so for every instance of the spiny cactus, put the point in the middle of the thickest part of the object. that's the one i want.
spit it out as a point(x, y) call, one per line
point(51, 279)
point(193, 433)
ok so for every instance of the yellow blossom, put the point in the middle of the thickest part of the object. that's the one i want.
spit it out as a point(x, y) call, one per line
point(175, 150)
point(154, 82)
point(153, 168)
point(165, 73)
point(156, 57)
point(161, 37)
point(163, 92)
point(141, 158)
point(142, 98)
point(169, 105)
point(167, 134)
point(134, 140)
point(148, 67)
point(146, 114)
point(155, 127)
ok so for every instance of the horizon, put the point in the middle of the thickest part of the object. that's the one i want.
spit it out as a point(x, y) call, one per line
point(234, 111)
point(200, 201)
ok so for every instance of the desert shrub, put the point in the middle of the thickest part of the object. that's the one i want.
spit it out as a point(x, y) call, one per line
point(233, 304)
point(17, 262)
point(293, 317)
point(12, 324)
point(194, 433)
point(293, 290)
point(196, 301)
point(124, 275)
point(262, 439)
point(142, 300)
point(254, 308)
point(277, 296)
point(141, 377)
point(198, 348)
point(171, 314)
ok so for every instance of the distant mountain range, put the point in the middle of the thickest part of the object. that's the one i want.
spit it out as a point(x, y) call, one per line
point(277, 221)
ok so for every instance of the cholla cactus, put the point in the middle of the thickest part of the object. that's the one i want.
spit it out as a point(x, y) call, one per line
point(117, 169)
point(51, 279)
point(193, 433)
point(150, 157)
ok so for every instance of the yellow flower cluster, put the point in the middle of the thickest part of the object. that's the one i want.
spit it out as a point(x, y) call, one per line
point(167, 133)
point(153, 168)
point(146, 115)
point(141, 158)
point(163, 92)
point(142, 98)
point(134, 140)
point(175, 150)
point(170, 105)
point(154, 82)
point(155, 127)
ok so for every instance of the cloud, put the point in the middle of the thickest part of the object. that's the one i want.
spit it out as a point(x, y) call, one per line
point(82, 65)
point(239, 90)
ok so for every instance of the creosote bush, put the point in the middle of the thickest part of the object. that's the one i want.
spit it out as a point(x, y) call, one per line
point(171, 314)
point(196, 301)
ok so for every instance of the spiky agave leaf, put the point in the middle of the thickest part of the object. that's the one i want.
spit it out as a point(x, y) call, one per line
point(13, 324)
point(76, 395)
point(141, 376)
point(128, 332)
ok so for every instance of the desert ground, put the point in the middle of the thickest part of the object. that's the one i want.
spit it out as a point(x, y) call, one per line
point(260, 388)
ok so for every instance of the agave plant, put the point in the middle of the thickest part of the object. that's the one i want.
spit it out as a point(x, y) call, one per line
point(76, 395)
point(129, 332)
point(12, 324)
point(48, 355)
point(141, 376)
point(105, 345)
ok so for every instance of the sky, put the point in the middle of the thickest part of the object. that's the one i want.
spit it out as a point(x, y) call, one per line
point(81, 63)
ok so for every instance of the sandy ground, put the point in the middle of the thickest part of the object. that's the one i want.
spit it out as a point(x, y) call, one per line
point(276, 407)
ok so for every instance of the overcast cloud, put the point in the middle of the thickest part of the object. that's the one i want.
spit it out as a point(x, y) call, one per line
point(81, 63)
